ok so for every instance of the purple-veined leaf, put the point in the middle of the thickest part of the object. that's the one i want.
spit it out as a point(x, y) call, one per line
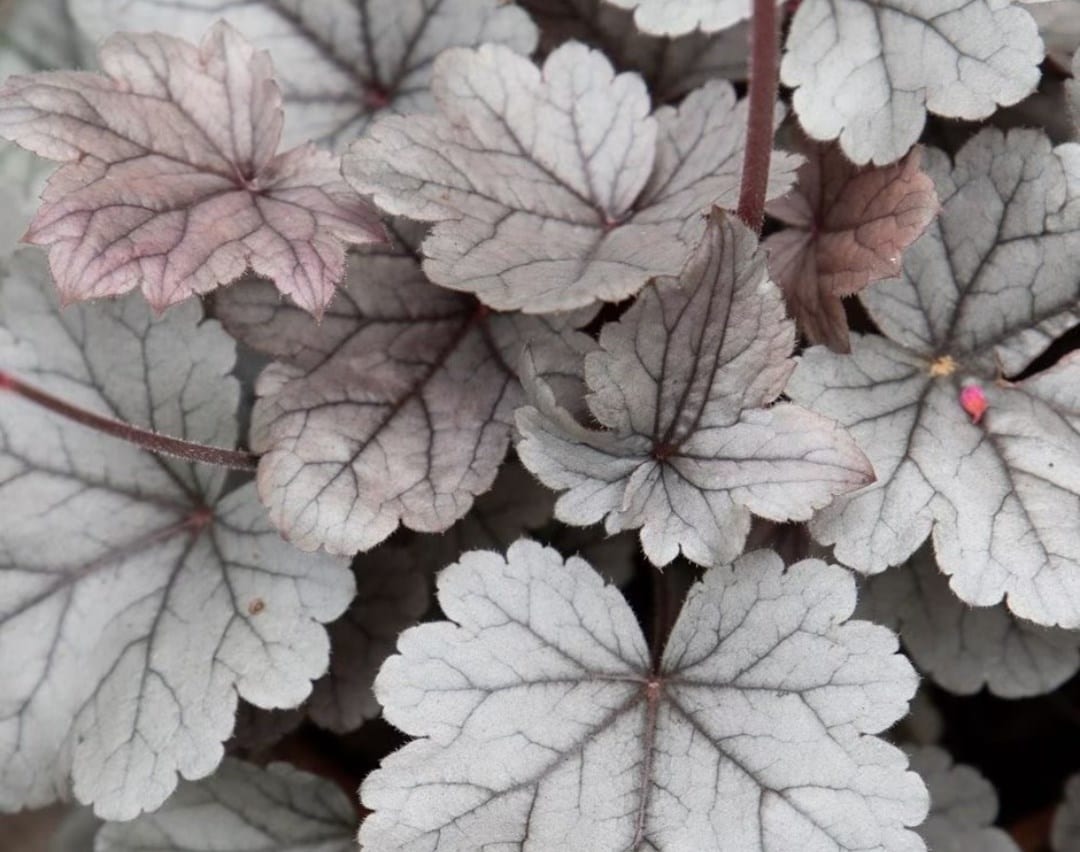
point(35, 35)
point(963, 806)
point(672, 67)
point(339, 62)
point(137, 598)
point(964, 648)
point(555, 188)
point(258, 730)
point(243, 808)
point(847, 227)
point(992, 282)
point(542, 722)
point(679, 17)
point(171, 182)
point(395, 409)
point(866, 71)
point(392, 593)
point(692, 445)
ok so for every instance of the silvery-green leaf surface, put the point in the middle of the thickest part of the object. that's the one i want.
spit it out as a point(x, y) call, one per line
point(989, 286)
point(678, 17)
point(35, 35)
point(340, 62)
point(395, 409)
point(1059, 24)
point(555, 188)
point(1065, 832)
point(392, 593)
point(964, 648)
point(692, 444)
point(243, 808)
point(963, 806)
point(137, 600)
point(672, 67)
point(867, 71)
point(542, 722)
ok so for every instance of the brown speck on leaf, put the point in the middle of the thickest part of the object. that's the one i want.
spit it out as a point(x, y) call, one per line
point(256, 606)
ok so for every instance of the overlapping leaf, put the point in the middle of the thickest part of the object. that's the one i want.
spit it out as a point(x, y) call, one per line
point(691, 445)
point(395, 409)
point(1059, 24)
point(554, 188)
point(848, 228)
point(137, 600)
point(866, 71)
point(339, 61)
point(672, 67)
point(963, 806)
point(543, 722)
point(243, 808)
point(171, 181)
point(983, 292)
point(964, 648)
point(1073, 89)
point(678, 17)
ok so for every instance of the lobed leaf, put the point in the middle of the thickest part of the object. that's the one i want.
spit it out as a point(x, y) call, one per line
point(553, 189)
point(243, 808)
point(691, 443)
point(866, 71)
point(847, 227)
point(340, 62)
point(543, 723)
point(170, 180)
point(395, 409)
point(667, 18)
point(963, 805)
point(138, 598)
point(993, 281)
point(962, 648)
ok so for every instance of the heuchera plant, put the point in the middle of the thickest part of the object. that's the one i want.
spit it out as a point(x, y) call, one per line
point(627, 401)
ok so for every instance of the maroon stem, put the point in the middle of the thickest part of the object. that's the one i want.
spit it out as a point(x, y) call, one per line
point(764, 82)
point(151, 441)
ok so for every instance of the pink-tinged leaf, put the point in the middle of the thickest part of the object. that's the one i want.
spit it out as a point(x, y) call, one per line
point(171, 182)
point(849, 226)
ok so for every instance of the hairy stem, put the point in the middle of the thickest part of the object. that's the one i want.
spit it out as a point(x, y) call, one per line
point(764, 81)
point(150, 441)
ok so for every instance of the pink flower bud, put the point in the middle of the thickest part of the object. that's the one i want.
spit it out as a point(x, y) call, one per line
point(973, 401)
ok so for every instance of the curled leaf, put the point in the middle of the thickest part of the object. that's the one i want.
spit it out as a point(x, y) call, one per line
point(171, 181)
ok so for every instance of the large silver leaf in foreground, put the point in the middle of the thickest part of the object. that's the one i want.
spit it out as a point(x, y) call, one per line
point(395, 409)
point(340, 62)
point(243, 808)
point(964, 648)
point(993, 281)
point(867, 71)
point(555, 188)
point(543, 724)
point(692, 444)
point(137, 600)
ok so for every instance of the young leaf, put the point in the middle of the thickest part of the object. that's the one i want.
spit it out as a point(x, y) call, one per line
point(963, 806)
point(339, 62)
point(243, 808)
point(1065, 833)
point(848, 228)
point(34, 35)
point(683, 385)
point(544, 724)
point(396, 409)
point(672, 67)
point(963, 648)
point(171, 182)
point(554, 189)
point(392, 592)
point(137, 599)
point(983, 292)
point(665, 18)
point(866, 71)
